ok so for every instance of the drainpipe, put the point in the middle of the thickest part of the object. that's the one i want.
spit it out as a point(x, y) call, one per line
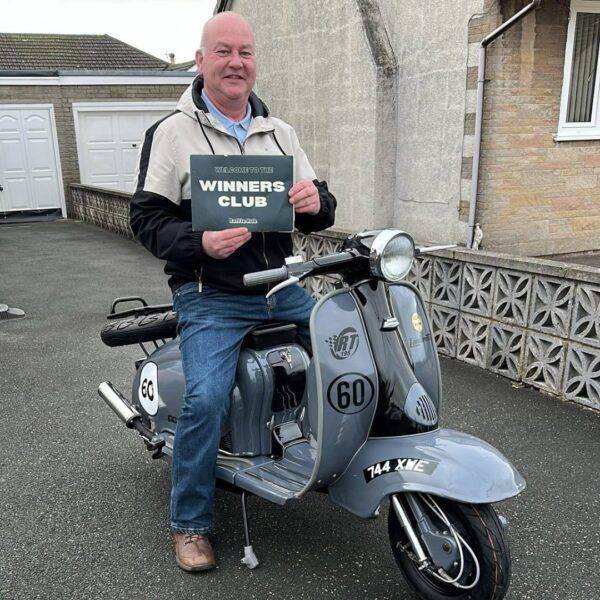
point(479, 112)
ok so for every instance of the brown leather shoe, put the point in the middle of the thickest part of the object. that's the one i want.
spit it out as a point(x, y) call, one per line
point(193, 552)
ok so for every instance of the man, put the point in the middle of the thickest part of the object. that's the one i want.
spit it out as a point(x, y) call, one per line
point(217, 114)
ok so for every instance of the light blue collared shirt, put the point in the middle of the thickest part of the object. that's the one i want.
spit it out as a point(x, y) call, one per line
point(238, 129)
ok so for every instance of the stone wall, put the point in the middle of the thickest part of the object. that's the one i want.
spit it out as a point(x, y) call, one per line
point(533, 321)
point(62, 98)
point(536, 196)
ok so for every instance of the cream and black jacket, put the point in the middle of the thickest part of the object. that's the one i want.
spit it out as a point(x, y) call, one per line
point(160, 211)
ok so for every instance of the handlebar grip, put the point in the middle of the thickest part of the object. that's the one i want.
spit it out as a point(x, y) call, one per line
point(262, 277)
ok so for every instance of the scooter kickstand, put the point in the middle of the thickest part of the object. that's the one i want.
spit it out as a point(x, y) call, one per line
point(249, 559)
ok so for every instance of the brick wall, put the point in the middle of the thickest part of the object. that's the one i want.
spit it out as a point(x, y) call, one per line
point(62, 97)
point(536, 196)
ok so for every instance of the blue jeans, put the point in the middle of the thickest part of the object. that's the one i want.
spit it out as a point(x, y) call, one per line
point(211, 326)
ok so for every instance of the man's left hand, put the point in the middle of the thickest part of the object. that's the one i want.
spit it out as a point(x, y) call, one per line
point(304, 197)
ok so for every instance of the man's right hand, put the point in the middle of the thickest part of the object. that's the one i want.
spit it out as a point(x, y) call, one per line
point(221, 244)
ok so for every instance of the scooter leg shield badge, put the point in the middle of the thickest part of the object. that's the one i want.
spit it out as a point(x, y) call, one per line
point(356, 416)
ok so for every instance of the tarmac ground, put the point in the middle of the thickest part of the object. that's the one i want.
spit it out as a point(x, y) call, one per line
point(85, 509)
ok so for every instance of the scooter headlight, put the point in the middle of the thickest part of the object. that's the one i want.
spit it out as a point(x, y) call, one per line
point(392, 253)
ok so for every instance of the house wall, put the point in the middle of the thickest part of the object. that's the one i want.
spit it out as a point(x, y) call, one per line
point(376, 91)
point(432, 49)
point(536, 196)
point(62, 98)
point(315, 71)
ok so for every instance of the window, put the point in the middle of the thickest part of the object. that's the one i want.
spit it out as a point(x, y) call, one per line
point(580, 106)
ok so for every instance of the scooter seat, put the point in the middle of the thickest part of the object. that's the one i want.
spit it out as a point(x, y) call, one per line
point(270, 334)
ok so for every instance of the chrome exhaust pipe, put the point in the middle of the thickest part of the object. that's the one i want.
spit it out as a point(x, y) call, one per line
point(118, 403)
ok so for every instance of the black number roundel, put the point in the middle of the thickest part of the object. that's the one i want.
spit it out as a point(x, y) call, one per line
point(350, 393)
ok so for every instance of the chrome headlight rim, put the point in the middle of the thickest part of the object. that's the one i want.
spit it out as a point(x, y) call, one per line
point(378, 247)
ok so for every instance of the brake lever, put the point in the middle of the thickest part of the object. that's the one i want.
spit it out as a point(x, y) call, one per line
point(289, 281)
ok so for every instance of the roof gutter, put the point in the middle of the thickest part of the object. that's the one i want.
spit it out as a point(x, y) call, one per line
point(479, 111)
point(96, 73)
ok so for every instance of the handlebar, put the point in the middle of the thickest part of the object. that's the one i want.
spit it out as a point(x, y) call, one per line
point(269, 276)
point(317, 266)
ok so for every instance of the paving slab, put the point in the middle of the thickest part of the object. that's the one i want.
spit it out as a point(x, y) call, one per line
point(85, 509)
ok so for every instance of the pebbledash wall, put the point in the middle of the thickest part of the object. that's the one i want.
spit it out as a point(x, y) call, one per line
point(62, 98)
point(533, 321)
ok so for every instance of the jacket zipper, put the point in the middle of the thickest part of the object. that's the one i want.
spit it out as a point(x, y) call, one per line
point(264, 243)
point(199, 278)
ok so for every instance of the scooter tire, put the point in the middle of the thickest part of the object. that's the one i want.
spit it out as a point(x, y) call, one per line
point(480, 526)
point(135, 330)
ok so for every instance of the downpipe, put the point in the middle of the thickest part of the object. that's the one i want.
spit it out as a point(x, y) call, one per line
point(131, 417)
point(479, 111)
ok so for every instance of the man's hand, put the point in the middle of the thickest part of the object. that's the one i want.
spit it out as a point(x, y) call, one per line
point(221, 244)
point(304, 197)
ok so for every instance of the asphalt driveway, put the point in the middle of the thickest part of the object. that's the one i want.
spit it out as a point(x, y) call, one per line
point(84, 508)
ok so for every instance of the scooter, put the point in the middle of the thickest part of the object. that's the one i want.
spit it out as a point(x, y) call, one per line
point(355, 415)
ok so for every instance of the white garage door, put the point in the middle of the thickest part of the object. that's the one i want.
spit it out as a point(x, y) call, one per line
point(109, 142)
point(29, 167)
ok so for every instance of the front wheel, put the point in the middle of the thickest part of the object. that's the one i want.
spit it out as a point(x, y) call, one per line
point(479, 527)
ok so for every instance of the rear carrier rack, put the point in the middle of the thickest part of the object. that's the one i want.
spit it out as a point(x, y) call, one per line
point(139, 325)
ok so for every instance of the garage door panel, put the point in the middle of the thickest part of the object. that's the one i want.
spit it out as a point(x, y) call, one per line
point(44, 190)
point(16, 191)
point(12, 155)
point(35, 122)
point(9, 123)
point(98, 128)
point(129, 159)
point(131, 127)
point(103, 162)
point(106, 183)
point(40, 154)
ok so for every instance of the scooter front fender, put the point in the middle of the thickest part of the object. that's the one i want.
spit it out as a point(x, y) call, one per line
point(443, 463)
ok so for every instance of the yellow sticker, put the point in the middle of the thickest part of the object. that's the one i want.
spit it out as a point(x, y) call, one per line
point(417, 322)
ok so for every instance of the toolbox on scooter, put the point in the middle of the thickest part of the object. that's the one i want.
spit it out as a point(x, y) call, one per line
point(269, 395)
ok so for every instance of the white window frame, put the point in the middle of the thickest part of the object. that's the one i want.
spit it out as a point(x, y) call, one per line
point(578, 131)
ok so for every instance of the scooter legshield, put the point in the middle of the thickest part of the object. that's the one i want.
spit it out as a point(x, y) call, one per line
point(444, 463)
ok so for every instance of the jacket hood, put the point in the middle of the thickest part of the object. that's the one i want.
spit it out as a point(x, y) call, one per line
point(191, 101)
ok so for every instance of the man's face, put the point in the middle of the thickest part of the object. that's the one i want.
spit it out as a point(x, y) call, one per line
point(228, 62)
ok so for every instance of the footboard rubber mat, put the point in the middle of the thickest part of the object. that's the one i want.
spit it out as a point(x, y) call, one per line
point(280, 480)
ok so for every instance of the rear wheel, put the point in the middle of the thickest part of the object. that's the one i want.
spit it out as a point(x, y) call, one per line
point(479, 526)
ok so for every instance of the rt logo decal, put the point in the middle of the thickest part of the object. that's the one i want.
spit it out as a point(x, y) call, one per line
point(344, 344)
point(148, 389)
point(350, 393)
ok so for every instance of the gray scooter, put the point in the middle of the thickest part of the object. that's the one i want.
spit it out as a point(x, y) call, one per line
point(356, 416)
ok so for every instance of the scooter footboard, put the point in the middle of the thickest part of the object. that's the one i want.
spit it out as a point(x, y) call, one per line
point(443, 463)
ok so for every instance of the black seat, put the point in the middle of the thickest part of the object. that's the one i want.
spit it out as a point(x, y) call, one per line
point(270, 334)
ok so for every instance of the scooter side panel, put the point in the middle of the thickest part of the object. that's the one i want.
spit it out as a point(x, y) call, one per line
point(159, 390)
point(417, 336)
point(443, 463)
point(342, 395)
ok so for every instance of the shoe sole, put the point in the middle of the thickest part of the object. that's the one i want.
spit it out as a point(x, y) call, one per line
point(197, 569)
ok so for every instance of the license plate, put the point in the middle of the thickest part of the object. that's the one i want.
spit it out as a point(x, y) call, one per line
point(399, 465)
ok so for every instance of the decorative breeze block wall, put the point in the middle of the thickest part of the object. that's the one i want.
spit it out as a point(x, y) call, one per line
point(531, 320)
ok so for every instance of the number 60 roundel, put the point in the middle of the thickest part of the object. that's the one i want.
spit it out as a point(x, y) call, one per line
point(350, 393)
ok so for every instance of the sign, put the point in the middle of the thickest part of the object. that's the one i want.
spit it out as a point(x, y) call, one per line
point(241, 191)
